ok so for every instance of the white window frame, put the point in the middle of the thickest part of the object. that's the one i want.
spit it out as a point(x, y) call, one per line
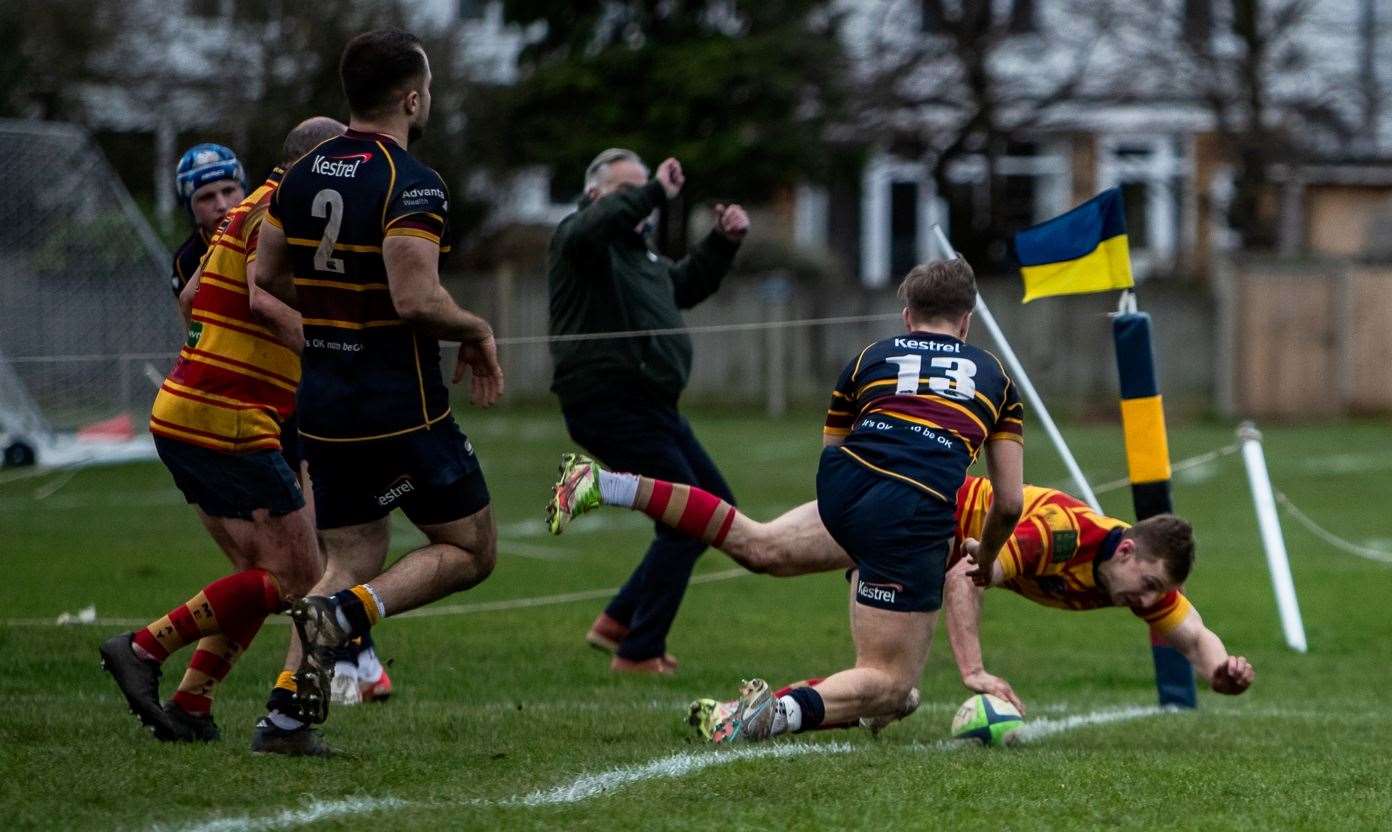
point(1158, 172)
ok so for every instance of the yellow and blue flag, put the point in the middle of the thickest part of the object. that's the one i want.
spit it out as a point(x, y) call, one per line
point(1084, 250)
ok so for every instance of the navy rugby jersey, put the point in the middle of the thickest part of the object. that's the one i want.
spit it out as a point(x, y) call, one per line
point(187, 258)
point(918, 407)
point(367, 374)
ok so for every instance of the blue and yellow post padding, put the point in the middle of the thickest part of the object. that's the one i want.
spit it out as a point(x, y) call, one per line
point(1148, 468)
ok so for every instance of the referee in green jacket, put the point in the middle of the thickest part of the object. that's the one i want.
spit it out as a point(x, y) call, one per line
point(619, 395)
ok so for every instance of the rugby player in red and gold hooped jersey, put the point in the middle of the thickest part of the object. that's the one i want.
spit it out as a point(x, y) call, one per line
point(1065, 555)
point(1061, 554)
point(216, 423)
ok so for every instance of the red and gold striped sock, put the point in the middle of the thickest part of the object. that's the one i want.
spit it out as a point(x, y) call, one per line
point(233, 606)
point(690, 510)
point(212, 658)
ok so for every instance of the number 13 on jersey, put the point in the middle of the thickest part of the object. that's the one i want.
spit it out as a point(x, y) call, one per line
point(949, 376)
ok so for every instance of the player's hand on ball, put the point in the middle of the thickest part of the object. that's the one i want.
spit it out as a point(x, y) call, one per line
point(983, 682)
point(731, 221)
point(1233, 676)
point(981, 573)
point(481, 358)
point(670, 175)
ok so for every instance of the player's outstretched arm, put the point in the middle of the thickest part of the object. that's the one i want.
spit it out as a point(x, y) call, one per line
point(962, 605)
point(1226, 674)
point(413, 278)
point(1005, 463)
point(273, 270)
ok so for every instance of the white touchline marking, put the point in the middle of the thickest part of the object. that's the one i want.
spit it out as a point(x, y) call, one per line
point(677, 765)
point(1036, 729)
point(613, 780)
point(313, 812)
point(424, 612)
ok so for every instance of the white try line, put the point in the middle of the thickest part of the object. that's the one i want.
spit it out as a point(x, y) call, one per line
point(424, 612)
point(613, 780)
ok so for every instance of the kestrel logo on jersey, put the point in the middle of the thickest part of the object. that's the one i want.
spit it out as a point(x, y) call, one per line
point(345, 167)
point(195, 334)
point(398, 489)
point(884, 593)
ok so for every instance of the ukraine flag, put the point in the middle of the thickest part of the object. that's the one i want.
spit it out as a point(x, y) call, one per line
point(1082, 251)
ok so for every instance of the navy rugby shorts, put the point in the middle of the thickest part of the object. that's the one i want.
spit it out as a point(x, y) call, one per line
point(898, 536)
point(231, 485)
point(431, 475)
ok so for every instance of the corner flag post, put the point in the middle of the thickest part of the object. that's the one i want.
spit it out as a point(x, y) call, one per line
point(1017, 372)
point(1148, 468)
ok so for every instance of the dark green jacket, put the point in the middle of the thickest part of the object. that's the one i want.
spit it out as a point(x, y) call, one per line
point(604, 278)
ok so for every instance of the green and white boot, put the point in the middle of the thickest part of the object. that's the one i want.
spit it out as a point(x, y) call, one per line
point(576, 492)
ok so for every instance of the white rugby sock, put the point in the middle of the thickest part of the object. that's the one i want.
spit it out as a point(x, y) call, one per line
point(617, 489)
point(788, 718)
point(283, 722)
point(369, 667)
point(376, 599)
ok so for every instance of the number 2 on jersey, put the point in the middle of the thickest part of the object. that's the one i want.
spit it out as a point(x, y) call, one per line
point(328, 204)
point(957, 382)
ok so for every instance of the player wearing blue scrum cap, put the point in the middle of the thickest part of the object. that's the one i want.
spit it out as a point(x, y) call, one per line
point(209, 182)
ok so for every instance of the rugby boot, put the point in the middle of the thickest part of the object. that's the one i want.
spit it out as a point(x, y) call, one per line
point(139, 681)
point(878, 723)
point(751, 719)
point(266, 738)
point(377, 690)
point(576, 492)
point(703, 714)
point(606, 632)
point(316, 621)
point(191, 727)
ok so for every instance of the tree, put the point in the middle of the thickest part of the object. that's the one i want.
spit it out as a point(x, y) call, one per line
point(743, 95)
point(971, 79)
point(48, 50)
point(1279, 91)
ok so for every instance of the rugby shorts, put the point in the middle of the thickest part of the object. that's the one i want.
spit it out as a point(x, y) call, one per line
point(898, 535)
point(232, 485)
point(431, 475)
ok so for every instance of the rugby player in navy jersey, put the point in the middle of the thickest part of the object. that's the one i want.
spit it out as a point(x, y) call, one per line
point(907, 417)
point(353, 241)
point(209, 181)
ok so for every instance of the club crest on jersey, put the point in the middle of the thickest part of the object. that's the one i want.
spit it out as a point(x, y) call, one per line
point(195, 334)
point(345, 167)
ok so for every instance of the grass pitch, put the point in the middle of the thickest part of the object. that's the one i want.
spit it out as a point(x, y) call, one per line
point(503, 718)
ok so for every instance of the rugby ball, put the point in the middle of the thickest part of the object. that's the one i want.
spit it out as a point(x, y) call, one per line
point(988, 720)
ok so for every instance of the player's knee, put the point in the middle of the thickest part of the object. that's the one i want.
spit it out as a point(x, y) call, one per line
point(485, 559)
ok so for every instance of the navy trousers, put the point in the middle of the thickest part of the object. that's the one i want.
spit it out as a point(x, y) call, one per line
point(641, 436)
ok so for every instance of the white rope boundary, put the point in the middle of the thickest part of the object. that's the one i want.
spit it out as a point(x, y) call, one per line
point(518, 340)
point(1365, 552)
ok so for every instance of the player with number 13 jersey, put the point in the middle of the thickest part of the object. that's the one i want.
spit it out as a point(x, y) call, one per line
point(919, 407)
